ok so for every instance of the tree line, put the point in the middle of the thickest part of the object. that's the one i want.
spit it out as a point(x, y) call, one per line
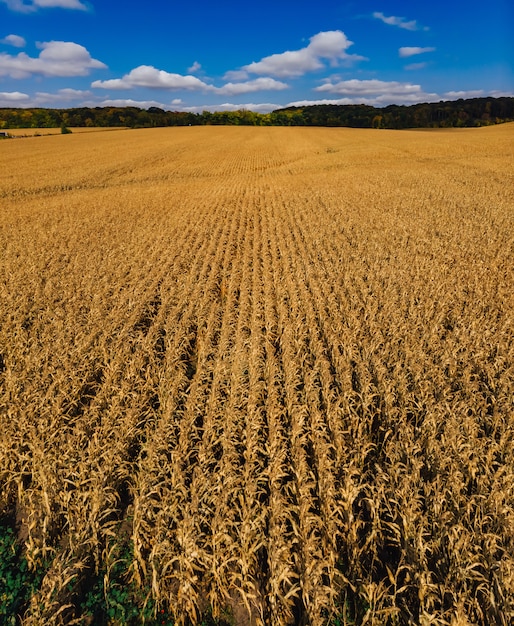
point(453, 113)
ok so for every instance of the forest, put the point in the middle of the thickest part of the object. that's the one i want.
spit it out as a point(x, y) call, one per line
point(456, 113)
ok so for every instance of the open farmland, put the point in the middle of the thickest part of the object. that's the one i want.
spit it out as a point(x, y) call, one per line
point(261, 375)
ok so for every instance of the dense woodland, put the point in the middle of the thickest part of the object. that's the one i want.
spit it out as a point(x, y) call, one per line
point(455, 113)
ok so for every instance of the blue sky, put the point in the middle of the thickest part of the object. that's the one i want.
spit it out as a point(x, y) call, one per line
point(261, 56)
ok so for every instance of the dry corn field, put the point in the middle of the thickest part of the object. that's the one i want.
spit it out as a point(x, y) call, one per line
point(258, 376)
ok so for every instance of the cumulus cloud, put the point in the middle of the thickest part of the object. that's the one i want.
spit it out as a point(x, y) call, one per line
point(307, 103)
point(14, 40)
point(328, 45)
point(263, 107)
point(33, 5)
point(62, 96)
point(128, 102)
point(498, 93)
point(236, 75)
point(259, 84)
point(471, 93)
point(366, 87)
point(178, 105)
point(149, 76)
point(409, 51)
point(378, 99)
point(57, 58)
point(477, 93)
point(377, 92)
point(13, 98)
point(393, 20)
point(287, 64)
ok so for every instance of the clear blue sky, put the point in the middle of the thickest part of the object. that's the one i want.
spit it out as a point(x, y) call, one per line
point(262, 55)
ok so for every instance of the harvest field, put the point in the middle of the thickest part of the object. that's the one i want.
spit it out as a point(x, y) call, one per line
point(257, 376)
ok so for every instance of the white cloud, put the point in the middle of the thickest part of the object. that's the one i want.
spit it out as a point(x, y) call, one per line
point(128, 102)
point(378, 100)
point(13, 98)
point(401, 22)
point(236, 75)
point(328, 45)
point(33, 5)
point(58, 58)
point(415, 66)
point(194, 68)
point(149, 76)
point(379, 95)
point(409, 51)
point(62, 96)
point(287, 64)
point(366, 87)
point(263, 107)
point(377, 92)
point(497, 93)
point(14, 40)
point(259, 84)
point(178, 105)
point(477, 93)
point(472, 93)
point(307, 103)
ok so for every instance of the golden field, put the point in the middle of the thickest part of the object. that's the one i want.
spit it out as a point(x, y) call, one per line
point(258, 376)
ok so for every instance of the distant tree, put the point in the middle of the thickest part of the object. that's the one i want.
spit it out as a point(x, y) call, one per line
point(377, 121)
